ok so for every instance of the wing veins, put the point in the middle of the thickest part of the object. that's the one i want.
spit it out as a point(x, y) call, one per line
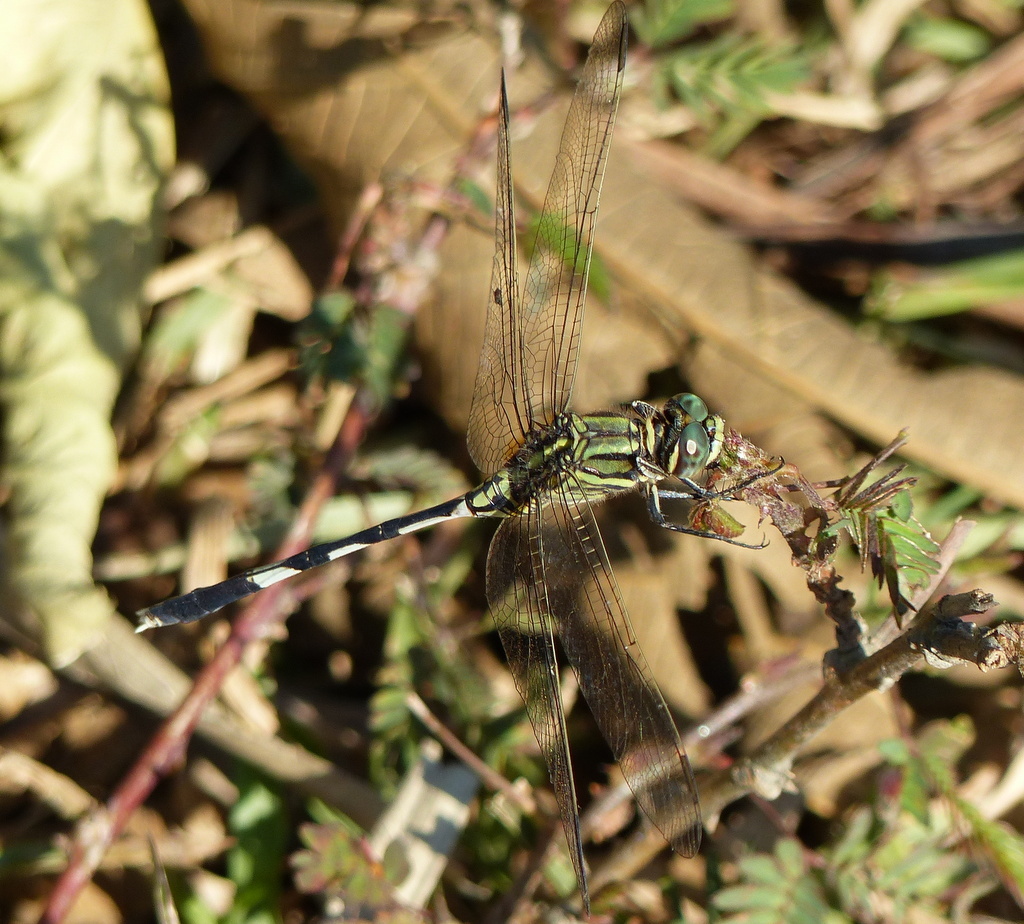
point(517, 592)
point(617, 682)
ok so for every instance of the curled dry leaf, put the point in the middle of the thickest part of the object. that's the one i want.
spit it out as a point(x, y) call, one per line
point(87, 143)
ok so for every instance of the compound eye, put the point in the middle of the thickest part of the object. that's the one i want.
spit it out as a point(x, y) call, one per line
point(694, 449)
point(692, 405)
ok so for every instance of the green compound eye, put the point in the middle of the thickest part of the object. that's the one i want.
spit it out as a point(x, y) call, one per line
point(694, 449)
point(693, 406)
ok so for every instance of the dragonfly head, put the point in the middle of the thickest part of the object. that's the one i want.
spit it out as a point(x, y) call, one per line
point(690, 437)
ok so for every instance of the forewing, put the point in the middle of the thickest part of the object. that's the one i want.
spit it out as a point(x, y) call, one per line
point(556, 281)
point(499, 416)
point(517, 595)
point(531, 345)
point(616, 681)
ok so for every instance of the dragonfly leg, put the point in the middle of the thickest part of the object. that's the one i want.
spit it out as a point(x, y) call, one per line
point(732, 490)
point(698, 492)
point(654, 496)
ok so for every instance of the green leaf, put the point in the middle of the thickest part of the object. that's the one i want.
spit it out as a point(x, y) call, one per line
point(914, 796)
point(364, 347)
point(337, 863)
point(180, 326)
point(746, 898)
point(854, 844)
point(775, 888)
point(895, 751)
point(762, 915)
point(478, 197)
point(951, 40)
point(189, 450)
point(903, 860)
point(259, 823)
point(733, 73)
point(902, 506)
point(324, 814)
point(942, 746)
point(876, 510)
point(726, 83)
point(954, 288)
point(1002, 845)
point(560, 875)
point(665, 22)
point(760, 868)
point(791, 857)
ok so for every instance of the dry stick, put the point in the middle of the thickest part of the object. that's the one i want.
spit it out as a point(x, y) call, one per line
point(936, 632)
point(369, 199)
point(758, 691)
point(767, 769)
point(487, 775)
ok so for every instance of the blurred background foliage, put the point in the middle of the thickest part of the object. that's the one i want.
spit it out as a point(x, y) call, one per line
point(812, 217)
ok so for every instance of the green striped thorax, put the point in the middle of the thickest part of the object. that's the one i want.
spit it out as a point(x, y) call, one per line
point(589, 456)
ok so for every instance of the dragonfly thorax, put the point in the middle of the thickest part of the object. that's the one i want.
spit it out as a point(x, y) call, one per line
point(687, 438)
point(576, 457)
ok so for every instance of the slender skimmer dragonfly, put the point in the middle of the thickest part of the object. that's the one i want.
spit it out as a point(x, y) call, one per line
point(548, 572)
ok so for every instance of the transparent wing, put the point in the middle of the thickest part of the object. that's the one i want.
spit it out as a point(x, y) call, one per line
point(518, 598)
point(616, 681)
point(531, 347)
point(548, 573)
point(499, 416)
point(556, 282)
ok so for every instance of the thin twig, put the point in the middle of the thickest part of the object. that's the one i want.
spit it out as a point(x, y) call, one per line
point(487, 775)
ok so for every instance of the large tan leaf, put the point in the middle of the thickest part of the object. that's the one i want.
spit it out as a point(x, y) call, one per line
point(959, 419)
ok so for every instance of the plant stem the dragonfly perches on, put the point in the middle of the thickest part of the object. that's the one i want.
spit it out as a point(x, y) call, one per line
point(548, 572)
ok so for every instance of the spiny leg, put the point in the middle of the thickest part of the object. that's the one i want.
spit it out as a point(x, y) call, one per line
point(657, 515)
point(697, 492)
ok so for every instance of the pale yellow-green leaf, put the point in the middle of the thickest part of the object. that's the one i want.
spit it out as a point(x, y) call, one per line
point(87, 142)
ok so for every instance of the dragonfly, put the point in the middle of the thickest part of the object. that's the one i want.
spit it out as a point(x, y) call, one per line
point(545, 467)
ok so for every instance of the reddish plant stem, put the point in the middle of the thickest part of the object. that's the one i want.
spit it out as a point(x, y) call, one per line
point(167, 748)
